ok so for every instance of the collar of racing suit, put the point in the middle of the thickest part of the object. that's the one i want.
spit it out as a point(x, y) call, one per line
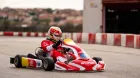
point(52, 40)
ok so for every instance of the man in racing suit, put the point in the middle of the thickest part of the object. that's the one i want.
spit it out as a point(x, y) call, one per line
point(52, 46)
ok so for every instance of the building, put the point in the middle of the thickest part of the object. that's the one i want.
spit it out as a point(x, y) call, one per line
point(111, 16)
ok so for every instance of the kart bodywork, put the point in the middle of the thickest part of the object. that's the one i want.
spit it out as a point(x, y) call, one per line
point(82, 61)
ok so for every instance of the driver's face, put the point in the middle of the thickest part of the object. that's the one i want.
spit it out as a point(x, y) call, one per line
point(57, 37)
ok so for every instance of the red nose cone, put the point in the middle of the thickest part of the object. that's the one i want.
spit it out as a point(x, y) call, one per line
point(86, 64)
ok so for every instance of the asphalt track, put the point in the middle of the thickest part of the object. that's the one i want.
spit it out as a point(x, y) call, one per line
point(121, 62)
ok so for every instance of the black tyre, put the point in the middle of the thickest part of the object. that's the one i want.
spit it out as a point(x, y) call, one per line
point(18, 60)
point(97, 59)
point(48, 64)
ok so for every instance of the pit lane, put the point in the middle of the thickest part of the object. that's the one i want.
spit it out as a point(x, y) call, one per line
point(121, 62)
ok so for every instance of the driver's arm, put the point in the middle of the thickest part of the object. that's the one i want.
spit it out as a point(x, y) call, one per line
point(46, 45)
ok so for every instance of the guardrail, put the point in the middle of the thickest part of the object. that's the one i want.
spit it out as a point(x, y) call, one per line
point(125, 40)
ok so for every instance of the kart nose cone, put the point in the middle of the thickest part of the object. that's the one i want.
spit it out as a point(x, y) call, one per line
point(84, 65)
point(99, 66)
point(88, 65)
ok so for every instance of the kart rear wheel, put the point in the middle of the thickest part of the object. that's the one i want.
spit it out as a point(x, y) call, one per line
point(48, 64)
point(97, 59)
point(17, 60)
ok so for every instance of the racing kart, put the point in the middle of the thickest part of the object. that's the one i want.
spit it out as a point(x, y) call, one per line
point(82, 61)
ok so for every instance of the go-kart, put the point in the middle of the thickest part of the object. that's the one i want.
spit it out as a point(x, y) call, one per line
point(82, 61)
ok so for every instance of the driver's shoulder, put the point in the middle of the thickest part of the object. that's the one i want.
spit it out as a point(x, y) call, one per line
point(46, 40)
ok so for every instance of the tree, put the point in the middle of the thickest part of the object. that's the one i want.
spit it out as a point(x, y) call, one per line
point(49, 10)
point(32, 13)
point(57, 19)
point(79, 28)
point(45, 22)
point(69, 27)
point(6, 24)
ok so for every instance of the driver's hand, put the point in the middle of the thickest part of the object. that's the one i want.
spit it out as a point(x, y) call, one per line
point(55, 46)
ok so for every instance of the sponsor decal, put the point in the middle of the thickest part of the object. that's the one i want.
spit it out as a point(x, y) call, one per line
point(87, 63)
point(32, 63)
point(70, 69)
point(58, 67)
point(25, 62)
point(38, 64)
point(93, 5)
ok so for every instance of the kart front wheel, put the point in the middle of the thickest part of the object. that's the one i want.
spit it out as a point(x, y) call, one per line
point(48, 64)
point(97, 59)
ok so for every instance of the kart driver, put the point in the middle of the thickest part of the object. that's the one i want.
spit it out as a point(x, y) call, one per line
point(52, 46)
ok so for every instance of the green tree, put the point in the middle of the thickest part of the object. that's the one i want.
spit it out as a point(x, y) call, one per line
point(79, 28)
point(49, 10)
point(57, 19)
point(6, 25)
point(32, 13)
point(45, 22)
point(69, 27)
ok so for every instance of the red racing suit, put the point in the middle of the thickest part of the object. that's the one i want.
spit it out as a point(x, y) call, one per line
point(47, 47)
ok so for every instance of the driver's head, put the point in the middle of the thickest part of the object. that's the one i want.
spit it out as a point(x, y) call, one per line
point(55, 33)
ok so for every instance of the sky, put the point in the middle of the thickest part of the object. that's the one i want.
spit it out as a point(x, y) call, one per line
point(54, 4)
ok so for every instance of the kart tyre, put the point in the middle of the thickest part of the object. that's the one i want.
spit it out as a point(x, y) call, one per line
point(97, 59)
point(48, 64)
point(17, 60)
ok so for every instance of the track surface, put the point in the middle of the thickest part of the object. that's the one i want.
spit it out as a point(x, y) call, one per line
point(120, 62)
